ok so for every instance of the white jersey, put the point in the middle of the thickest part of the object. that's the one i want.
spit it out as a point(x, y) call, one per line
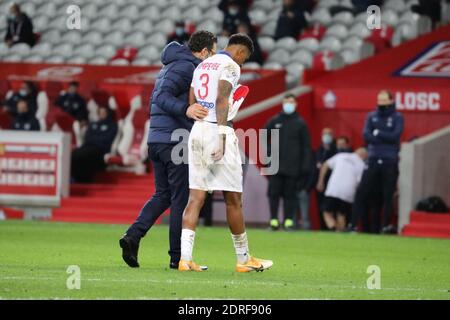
point(205, 82)
point(345, 177)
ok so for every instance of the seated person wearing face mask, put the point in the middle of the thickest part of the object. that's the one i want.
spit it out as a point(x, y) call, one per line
point(180, 35)
point(28, 93)
point(19, 28)
point(24, 119)
point(234, 14)
point(89, 158)
point(73, 103)
point(294, 162)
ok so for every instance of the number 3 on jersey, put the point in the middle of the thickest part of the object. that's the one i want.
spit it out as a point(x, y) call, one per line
point(203, 91)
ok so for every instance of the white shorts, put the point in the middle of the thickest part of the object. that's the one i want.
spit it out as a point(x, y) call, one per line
point(207, 174)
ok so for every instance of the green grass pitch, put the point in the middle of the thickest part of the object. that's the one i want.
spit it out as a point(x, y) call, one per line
point(34, 257)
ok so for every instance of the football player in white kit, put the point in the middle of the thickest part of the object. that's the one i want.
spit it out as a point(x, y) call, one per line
point(214, 157)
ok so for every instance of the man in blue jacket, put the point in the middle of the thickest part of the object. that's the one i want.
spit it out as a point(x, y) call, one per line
point(169, 111)
point(382, 132)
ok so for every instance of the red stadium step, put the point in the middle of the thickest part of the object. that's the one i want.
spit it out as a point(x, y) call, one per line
point(417, 216)
point(89, 203)
point(116, 197)
point(428, 225)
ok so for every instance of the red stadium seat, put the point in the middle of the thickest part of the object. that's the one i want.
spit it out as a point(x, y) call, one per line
point(381, 38)
point(317, 31)
point(126, 53)
point(131, 149)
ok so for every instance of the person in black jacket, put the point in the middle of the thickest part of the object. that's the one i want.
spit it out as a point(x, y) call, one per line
point(382, 131)
point(234, 14)
point(20, 28)
point(294, 162)
point(169, 111)
point(73, 103)
point(291, 21)
point(179, 35)
point(89, 158)
point(24, 119)
point(27, 92)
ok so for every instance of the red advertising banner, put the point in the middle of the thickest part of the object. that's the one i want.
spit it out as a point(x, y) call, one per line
point(28, 168)
point(34, 168)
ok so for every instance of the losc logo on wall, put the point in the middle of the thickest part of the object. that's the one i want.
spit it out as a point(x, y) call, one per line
point(421, 101)
point(433, 62)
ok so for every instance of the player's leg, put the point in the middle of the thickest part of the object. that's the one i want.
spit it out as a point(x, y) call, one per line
point(178, 176)
point(340, 221)
point(150, 212)
point(330, 222)
point(330, 207)
point(190, 221)
point(274, 194)
point(289, 201)
point(235, 218)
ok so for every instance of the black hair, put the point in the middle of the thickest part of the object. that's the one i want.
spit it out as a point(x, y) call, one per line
point(74, 84)
point(200, 40)
point(242, 40)
point(347, 139)
point(289, 95)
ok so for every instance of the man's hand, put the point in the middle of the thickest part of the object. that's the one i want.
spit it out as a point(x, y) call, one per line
point(219, 153)
point(196, 112)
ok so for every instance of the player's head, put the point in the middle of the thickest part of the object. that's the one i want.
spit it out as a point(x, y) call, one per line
point(327, 136)
point(104, 113)
point(73, 87)
point(203, 44)
point(240, 47)
point(15, 11)
point(289, 103)
point(22, 106)
point(342, 143)
point(385, 99)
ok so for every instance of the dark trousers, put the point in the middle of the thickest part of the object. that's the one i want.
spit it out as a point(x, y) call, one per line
point(86, 161)
point(172, 190)
point(281, 186)
point(376, 191)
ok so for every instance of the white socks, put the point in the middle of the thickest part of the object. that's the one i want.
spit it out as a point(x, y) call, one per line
point(239, 240)
point(241, 246)
point(187, 244)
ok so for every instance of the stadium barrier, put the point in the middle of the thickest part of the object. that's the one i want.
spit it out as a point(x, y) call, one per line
point(424, 171)
point(34, 170)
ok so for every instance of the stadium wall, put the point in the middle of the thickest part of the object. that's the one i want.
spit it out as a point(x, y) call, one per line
point(424, 171)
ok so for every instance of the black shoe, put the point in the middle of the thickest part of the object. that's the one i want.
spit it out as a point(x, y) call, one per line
point(351, 229)
point(173, 265)
point(390, 229)
point(129, 251)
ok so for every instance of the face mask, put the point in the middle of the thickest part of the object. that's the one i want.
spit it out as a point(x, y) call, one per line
point(384, 106)
point(23, 92)
point(344, 150)
point(288, 108)
point(327, 139)
point(12, 17)
point(233, 11)
point(179, 31)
